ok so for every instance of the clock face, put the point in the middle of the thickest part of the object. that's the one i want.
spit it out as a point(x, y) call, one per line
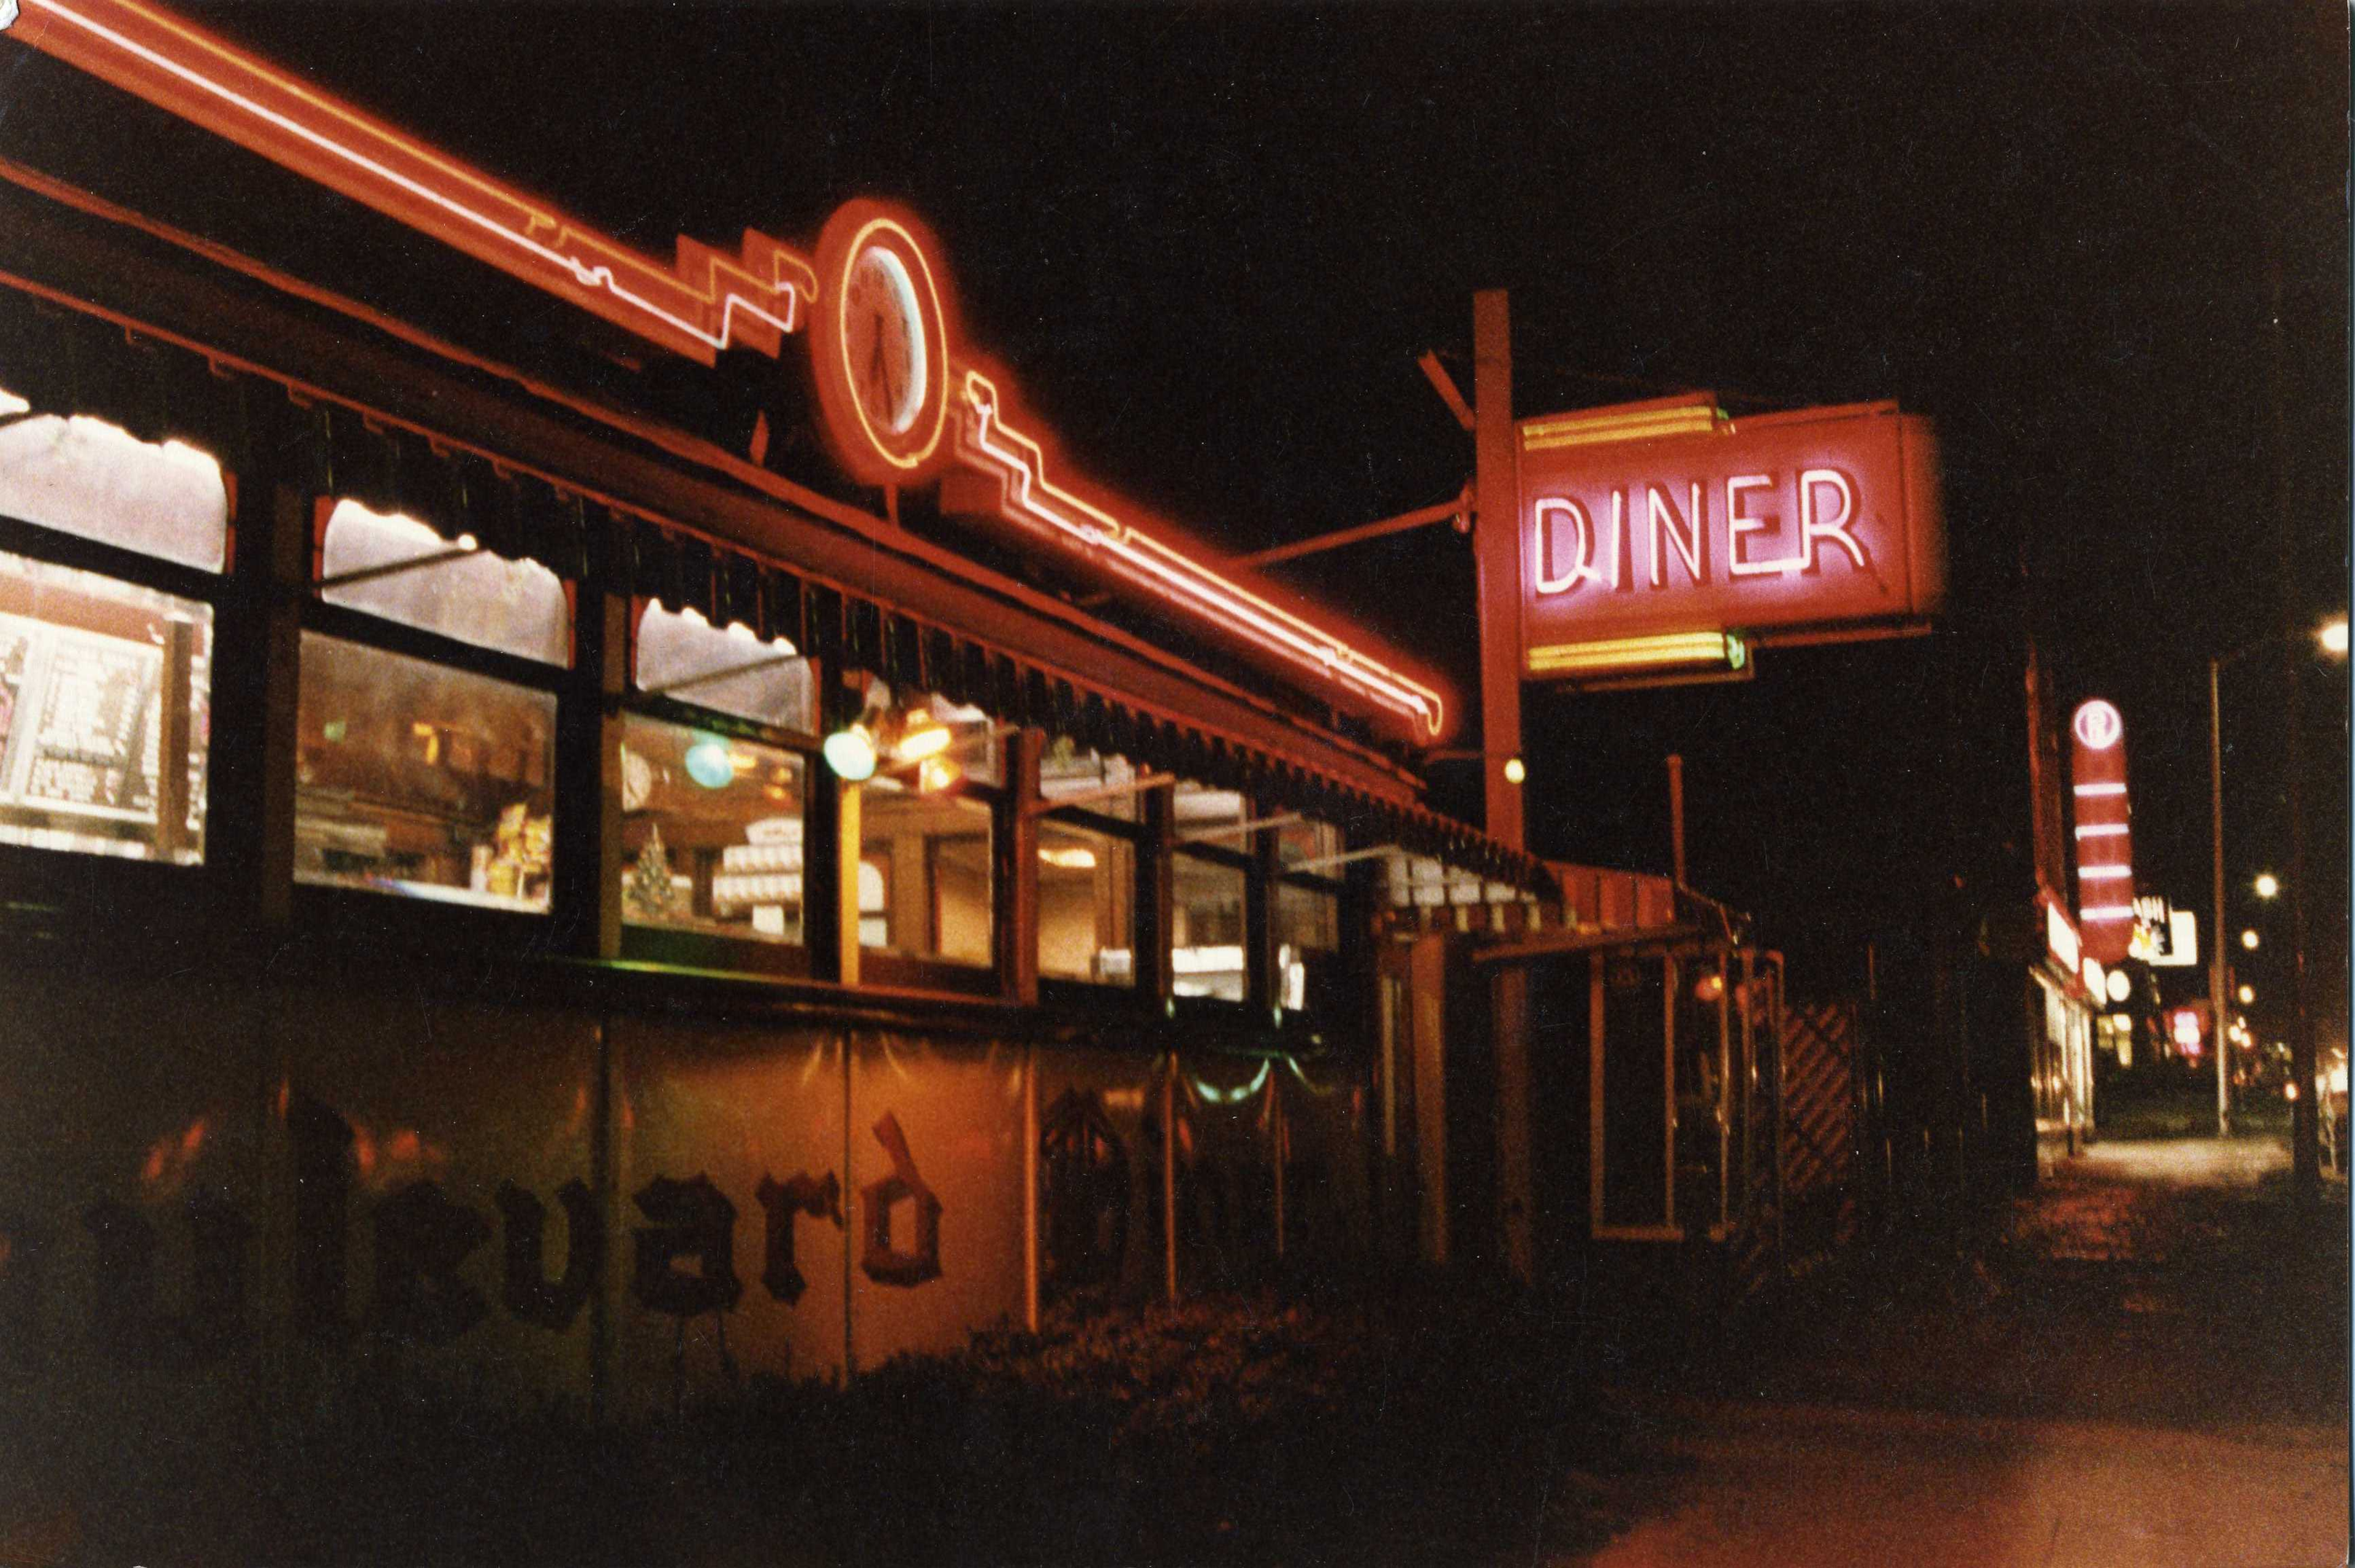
point(880, 341)
point(883, 337)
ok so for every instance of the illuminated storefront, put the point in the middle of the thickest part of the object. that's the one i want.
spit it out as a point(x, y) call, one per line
point(606, 878)
point(2064, 989)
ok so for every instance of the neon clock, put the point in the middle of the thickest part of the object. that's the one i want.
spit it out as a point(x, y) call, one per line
point(880, 344)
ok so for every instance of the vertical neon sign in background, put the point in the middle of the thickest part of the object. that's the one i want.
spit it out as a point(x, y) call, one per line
point(2106, 890)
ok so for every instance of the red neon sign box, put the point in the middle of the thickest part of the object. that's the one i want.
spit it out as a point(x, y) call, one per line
point(2097, 771)
point(1643, 527)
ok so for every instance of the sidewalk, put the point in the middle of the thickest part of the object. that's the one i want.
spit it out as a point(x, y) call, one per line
point(2145, 1365)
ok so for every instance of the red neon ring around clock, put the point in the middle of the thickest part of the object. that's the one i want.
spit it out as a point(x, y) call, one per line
point(880, 344)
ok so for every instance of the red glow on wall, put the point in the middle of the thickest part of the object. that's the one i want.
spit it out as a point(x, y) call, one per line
point(899, 398)
point(1660, 522)
point(1019, 490)
point(703, 301)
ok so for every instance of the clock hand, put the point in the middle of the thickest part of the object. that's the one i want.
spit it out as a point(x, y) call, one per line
point(880, 369)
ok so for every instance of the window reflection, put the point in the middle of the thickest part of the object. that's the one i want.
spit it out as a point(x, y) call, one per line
point(1200, 811)
point(924, 875)
point(396, 567)
point(1091, 780)
point(932, 743)
point(1087, 905)
point(1307, 938)
point(711, 833)
point(105, 707)
point(1206, 947)
point(682, 656)
point(1310, 845)
point(417, 778)
point(87, 477)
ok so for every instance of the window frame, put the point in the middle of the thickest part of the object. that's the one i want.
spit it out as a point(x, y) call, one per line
point(1254, 903)
point(670, 947)
point(1337, 889)
point(429, 923)
point(1067, 989)
point(70, 875)
point(879, 968)
point(265, 576)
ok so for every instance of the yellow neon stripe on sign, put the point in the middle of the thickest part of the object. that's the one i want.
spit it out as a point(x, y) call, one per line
point(1639, 653)
point(1555, 433)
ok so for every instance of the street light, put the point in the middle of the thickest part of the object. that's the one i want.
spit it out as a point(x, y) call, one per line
point(2330, 638)
point(2246, 995)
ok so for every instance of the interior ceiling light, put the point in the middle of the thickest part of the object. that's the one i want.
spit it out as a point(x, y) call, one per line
point(853, 751)
point(1068, 856)
point(922, 736)
point(711, 762)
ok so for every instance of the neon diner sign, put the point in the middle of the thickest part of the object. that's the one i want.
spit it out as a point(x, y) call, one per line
point(706, 301)
point(1644, 529)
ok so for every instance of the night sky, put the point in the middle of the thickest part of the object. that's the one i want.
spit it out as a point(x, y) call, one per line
point(1211, 242)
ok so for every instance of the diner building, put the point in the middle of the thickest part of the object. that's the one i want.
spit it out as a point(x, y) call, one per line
point(582, 827)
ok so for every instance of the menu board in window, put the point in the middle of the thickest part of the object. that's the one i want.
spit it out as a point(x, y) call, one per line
point(80, 727)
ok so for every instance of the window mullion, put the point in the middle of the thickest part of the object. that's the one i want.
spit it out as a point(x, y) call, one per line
point(1014, 903)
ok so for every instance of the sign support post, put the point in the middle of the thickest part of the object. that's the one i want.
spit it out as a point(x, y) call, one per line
point(1496, 500)
point(1496, 535)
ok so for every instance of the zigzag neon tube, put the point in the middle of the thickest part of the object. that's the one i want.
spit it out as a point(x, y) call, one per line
point(704, 302)
point(986, 441)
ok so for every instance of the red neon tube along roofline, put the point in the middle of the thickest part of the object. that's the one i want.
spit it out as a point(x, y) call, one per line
point(702, 302)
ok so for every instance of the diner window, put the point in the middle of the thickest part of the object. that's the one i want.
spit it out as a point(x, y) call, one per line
point(1207, 940)
point(969, 754)
point(684, 658)
point(1087, 905)
point(1087, 865)
point(1307, 941)
point(1202, 813)
point(711, 833)
point(86, 478)
point(1312, 845)
point(105, 700)
point(924, 877)
point(397, 568)
point(1103, 786)
point(418, 779)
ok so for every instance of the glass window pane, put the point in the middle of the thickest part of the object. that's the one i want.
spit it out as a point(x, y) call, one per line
point(417, 778)
point(85, 477)
point(1200, 811)
point(913, 748)
point(1311, 844)
point(684, 657)
point(105, 705)
point(1070, 771)
point(711, 833)
point(923, 879)
point(1307, 940)
point(1205, 938)
point(397, 567)
point(1087, 906)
